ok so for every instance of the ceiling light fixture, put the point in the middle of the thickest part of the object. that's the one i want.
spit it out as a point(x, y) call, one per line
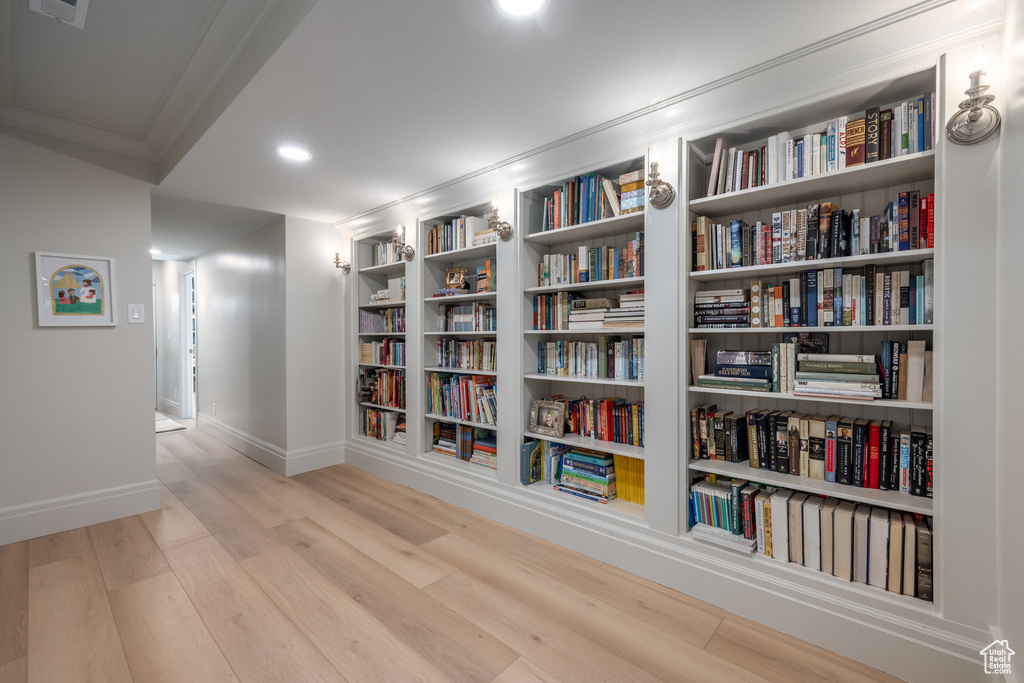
point(294, 153)
point(154, 252)
point(520, 9)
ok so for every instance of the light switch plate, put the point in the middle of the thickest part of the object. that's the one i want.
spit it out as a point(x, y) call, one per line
point(136, 313)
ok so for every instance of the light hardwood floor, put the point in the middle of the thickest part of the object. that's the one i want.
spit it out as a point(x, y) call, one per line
point(338, 575)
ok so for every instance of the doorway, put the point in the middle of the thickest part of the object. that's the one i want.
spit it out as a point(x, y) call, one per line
point(189, 376)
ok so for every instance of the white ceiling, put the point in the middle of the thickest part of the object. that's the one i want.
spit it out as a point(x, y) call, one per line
point(391, 97)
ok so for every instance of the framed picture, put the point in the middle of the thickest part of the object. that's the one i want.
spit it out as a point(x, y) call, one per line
point(548, 418)
point(455, 278)
point(74, 290)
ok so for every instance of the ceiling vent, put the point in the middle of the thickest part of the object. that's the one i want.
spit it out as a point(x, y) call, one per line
point(68, 11)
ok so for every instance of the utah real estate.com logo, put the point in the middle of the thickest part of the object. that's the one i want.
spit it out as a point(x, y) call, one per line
point(997, 657)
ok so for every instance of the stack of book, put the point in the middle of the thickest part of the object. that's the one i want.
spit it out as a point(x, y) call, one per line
point(485, 449)
point(832, 375)
point(887, 549)
point(445, 439)
point(630, 312)
point(746, 370)
point(486, 236)
point(631, 186)
point(629, 479)
point(589, 314)
point(715, 308)
point(588, 474)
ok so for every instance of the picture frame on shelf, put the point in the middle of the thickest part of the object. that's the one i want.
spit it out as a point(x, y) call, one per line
point(455, 278)
point(73, 290)
point(548, 418)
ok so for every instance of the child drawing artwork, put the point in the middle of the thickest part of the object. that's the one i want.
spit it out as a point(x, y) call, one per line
point(77, 290)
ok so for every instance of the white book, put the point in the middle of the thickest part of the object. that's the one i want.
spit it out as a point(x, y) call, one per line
point(780, 524)
point(928, 266)
point(796, 527)
point(790, 365)
point(841, 142)
point(894, 299)
point(812, 532)
point(912, 128)
point(790, 161)
point(826, 514)
point(730, 183)
point(879, 298)
point(773, 159)
point(759, 504)
point(842, 541)
point(878, 548)
point(915, 370)
point(909, 553)
point(895, 571)
point(807, 155)
point(816, 154)
point(904, 130)
point(865, 236)
point(860, 543)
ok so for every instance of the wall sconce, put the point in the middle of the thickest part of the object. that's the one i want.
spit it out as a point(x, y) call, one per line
point(405, 250)
point(344, 265)
point(662, 193)
point(976, 119)
point(503, 229)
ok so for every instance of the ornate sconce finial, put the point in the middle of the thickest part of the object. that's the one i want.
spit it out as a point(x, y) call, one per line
point(976, 118)
point(344, 265)
point(662, 193)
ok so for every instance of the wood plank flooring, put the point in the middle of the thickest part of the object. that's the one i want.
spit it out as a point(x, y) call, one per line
point(338, 575)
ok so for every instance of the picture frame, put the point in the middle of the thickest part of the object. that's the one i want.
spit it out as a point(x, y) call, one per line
point(455, 278)
point(548, 418)
point(74, 290)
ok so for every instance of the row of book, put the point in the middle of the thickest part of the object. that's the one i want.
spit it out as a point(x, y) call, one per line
point(382, 387)
point(389, 320)
point(457, 234)
point(394, 293)
point(605, 419)
point(479, 316)
point(385, 253)
point(888, 549)
point(625, 311)
point(470, 398)
point(592, 197)
point(383, 425)
point(902, 372)
point(880, 134)
point(818, 232)
point(589, 474)
point(472, 444)
point(831, 297)
point(593, 264)
point(468, 354)
point(383, 352)
point(606, 358)
point(873, 454)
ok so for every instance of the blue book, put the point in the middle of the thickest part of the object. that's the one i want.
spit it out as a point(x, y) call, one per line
point(798, 152)
point(735, 245)
point(862, 312)
point(920, 125)
point(913, 302)
point(837, 297)
point(812, 298)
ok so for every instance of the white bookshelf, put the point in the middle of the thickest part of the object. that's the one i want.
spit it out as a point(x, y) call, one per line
point(867, 187)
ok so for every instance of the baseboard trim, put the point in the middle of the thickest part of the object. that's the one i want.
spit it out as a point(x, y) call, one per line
point(32, 520)
point(172, 408)
point(263, 452)
point(881, 631)
point(314, 458)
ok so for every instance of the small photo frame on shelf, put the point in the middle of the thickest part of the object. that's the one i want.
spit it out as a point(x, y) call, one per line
point(455, 278)
point(74, 290)
point(548, 418)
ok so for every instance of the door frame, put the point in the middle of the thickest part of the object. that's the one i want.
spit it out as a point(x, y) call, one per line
point(186, 287)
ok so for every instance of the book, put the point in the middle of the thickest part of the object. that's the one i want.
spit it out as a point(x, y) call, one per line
point(826, 526)
point(894, 584)
point(855, 142)
point(923, 586)
point(780, 524)
point(795, 527)
point(861, 517)
point(811, 517)
point(842, 540)
point(878, 548)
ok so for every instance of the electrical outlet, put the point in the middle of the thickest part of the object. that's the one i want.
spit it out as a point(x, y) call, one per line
point(214, 408)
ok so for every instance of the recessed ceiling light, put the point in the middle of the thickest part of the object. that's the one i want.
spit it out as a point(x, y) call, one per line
point(294, 153)
point(520, 9)
point(154, 252)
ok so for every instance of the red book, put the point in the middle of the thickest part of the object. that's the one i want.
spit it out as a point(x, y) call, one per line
point(871, 462)
point(931, 220)
point(923, 239)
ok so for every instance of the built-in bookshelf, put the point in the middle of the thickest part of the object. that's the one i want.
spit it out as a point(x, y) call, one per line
point(460, 287)
point(380, 338)
point(579, 245)
point(761, 254)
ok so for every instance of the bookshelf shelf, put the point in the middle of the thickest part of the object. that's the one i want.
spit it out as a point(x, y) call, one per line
point(593, 444)
point(455, 420)
point(367, 404)
point(889, 259)
point(461, 371)
point(464, 254)
point(905, 169)
point(620, 283)
point(381, 334)
point(583, 380)
point(842, 329)
point(474, 333)
point(632, 222)
point(388, 304)
point(761, 396)
point(455, 298)
point(385, 269)
point(615, 507)
point(605, 330)
point(889, 499)
point(460, 466)
point(382, 367)
point(378, 443)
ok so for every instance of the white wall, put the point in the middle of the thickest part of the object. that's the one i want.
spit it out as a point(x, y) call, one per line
point(1010, 470)
point(313, 304)
point(240, 325)
point(167, 318)
point(68, 391)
